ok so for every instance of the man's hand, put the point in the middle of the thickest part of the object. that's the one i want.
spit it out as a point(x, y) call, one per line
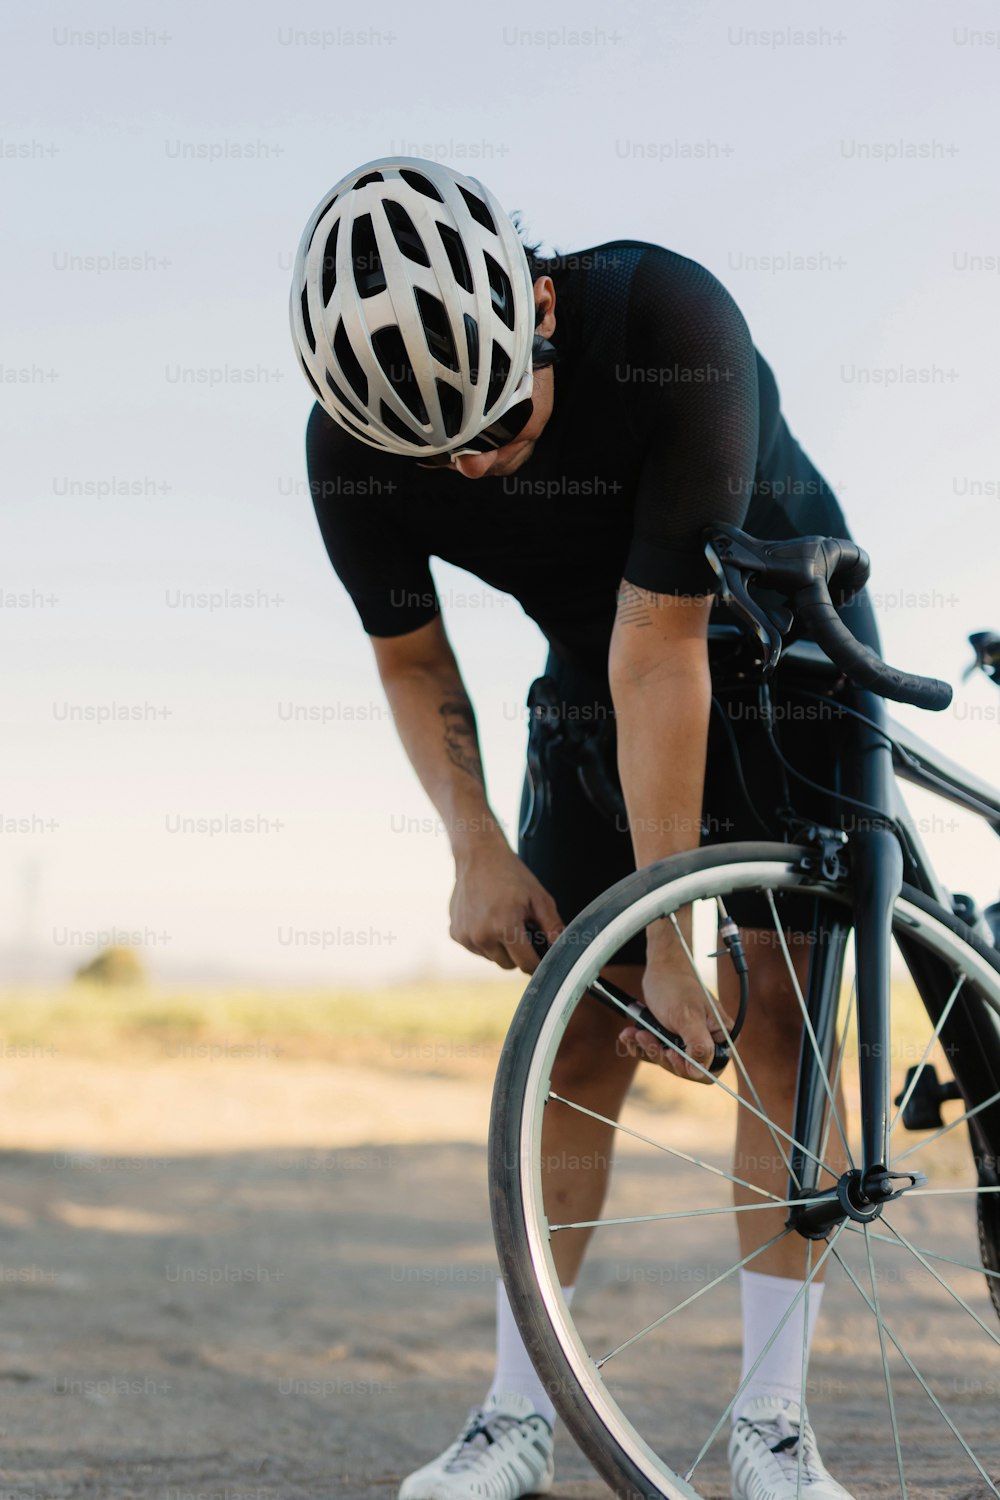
point(677, 999)
point(495, 896)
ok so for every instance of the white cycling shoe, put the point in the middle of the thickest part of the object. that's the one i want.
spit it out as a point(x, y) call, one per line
point(503, 1453)
point(764, 1455)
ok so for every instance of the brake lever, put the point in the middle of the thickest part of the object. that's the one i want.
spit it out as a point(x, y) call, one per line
point(544, 711)
point(734, 566)
point(986, 645)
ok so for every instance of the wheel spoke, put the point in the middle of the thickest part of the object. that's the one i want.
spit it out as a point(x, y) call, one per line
point(686, 1213)
point(734, 1051)
point(759, 1360)
point(890, 1401)
point(990, 1333)
point(935, 1034)
point(916, 1373)
point(732, 1094)
point(921, 1192)
point(804, 1367)
point(810, 1031)
point(963, 1265)
point(944, 1129)
point(841, 1050)
point(600, 1363)
point(637, 1135)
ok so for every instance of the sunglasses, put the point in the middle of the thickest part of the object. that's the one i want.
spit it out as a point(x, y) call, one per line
point(506, 427)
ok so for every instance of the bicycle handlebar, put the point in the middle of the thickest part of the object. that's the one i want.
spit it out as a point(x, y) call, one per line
point(804, 570)
point(815, 609)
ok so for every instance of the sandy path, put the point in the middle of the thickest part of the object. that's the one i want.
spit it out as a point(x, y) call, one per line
point(252, 1279)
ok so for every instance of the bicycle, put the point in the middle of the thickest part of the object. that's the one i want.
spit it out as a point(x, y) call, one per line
point(870, 876)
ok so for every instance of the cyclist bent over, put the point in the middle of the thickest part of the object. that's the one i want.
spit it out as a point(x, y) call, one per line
point(608, 406)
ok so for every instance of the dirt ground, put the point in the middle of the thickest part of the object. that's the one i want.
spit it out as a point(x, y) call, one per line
point(245, 1279)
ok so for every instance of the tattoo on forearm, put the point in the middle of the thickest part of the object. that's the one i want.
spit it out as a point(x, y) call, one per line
point(634, 604)
point(460, 738)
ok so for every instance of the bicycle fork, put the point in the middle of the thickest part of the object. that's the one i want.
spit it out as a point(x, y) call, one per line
point(877, 873)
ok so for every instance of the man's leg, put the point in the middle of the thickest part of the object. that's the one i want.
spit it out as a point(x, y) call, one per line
point(769, 1047)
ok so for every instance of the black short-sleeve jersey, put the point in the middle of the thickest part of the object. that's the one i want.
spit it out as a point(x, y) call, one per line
point(665, 419)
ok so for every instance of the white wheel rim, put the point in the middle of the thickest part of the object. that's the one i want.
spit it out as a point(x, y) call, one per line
point(698, 884)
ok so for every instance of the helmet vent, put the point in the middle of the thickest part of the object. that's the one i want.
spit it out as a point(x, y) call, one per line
point(345, 400)
point(348, 361)
point(451, 408)
point(460, 268)
point(390, 351)
point(319, 219)
point(477, 208)
point(472, 340)
point(356, 427)
point(369, 277)
point(390, 421)
point(437, 329)
point(330, 264)
point(411, 307)
point(499, 371)
point(307, 321)
point(501, 291)
point(420, 184)
point(405, 235)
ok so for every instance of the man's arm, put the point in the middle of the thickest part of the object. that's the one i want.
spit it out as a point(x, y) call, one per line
point(495, 893)
point(660, 682)
point(700, 436)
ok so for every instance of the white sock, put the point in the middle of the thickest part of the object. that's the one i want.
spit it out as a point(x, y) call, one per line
point(765, 1300)
point(514, 1371)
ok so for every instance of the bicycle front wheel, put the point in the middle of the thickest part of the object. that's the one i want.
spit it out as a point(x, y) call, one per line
point(645, 1368)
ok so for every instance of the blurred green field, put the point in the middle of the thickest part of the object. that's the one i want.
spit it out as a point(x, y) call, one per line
point(96, 1021)
point(93, 1020)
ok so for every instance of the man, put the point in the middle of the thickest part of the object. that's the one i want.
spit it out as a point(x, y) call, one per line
point(607, 407)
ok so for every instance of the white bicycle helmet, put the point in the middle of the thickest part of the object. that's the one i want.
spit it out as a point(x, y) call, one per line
point(412, 308)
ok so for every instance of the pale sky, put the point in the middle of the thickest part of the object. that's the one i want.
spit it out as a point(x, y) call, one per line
point(158, 169)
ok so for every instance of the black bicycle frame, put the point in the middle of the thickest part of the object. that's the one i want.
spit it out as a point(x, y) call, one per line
point(877, 878)
point(971, 1036)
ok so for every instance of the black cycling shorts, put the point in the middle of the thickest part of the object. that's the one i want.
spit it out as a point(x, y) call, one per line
point(577, 852)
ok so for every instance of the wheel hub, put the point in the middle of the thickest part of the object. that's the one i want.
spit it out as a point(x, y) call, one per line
point(858, 1195)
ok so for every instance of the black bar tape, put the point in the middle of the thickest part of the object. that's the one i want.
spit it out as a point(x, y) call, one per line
point(860, 662)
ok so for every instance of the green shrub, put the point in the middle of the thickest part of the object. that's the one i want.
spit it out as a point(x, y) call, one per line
point(114, 967)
